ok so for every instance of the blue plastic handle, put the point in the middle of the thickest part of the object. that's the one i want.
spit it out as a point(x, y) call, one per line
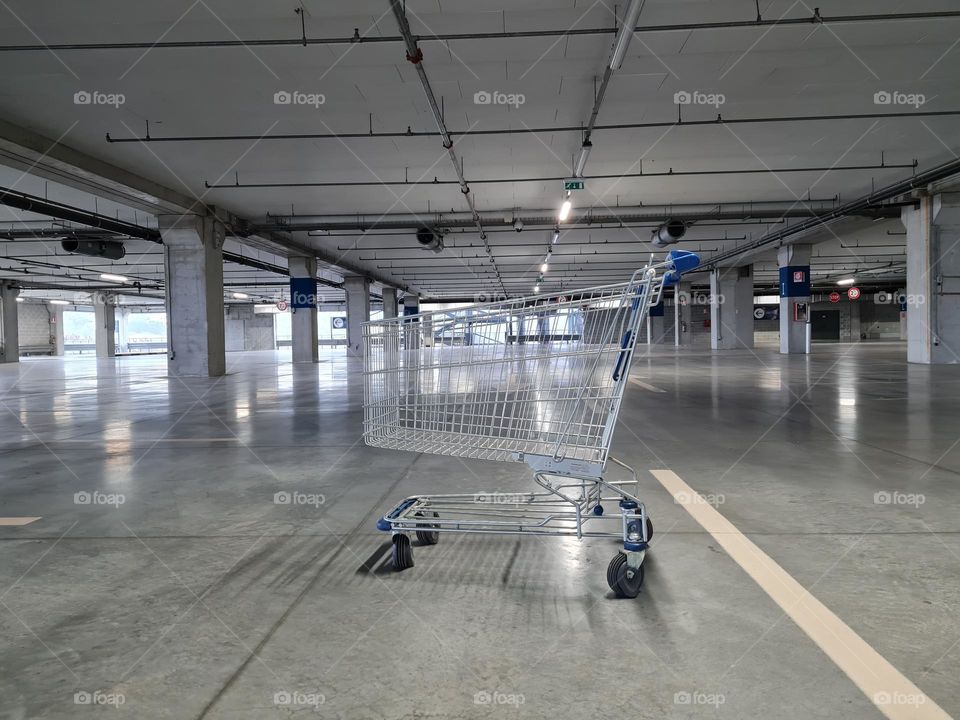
point(623, 351)
point(683, 260)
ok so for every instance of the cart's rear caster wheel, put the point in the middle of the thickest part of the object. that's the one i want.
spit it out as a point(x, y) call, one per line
point(402, 552)
point(622, 579)
point(427, 537)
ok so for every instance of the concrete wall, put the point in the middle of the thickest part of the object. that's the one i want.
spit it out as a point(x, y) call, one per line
point(37, 333)
point(245, 330)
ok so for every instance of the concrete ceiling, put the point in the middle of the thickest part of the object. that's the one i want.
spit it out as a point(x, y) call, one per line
point(809, 69)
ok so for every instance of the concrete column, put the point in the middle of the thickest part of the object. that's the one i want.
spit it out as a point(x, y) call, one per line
point(683, 314)
point(105, 324)
point(901, 300)
point(731, 308)
point(855, 320)
point(9, 324)
point(357, 289)
point(411, 330)
point(389, 303)
point(303, 304)
point(656, 323)
point(933, 279)
point(56, 328)
point(123, 333)
point(794, 262)
point(193, 248)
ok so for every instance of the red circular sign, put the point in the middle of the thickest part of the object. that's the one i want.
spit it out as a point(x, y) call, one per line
point(834, 297)
point(853, 293)
point(282, 305)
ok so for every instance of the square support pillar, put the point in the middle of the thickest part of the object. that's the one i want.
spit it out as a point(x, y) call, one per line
point(411, 329)
point(731, 308)
point(389, 303)
point(123, 332)
point(56, 328)
point(193, 246)
point(105, 324)
point(9, 324)
point(357, 290)
point(933, 279)
point(305, 339)
point(683, 315)
point(794, 263)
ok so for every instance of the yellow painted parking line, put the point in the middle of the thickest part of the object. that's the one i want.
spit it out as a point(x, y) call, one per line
point(17, 521)
point(646, 386)
point(885, 686)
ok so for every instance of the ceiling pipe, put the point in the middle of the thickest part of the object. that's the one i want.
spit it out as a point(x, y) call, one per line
point(42, 206)
point(578, 172)
point(525, 130)
point(921, 180)
point(415, 56)
point(357, 39)
point(547, 218)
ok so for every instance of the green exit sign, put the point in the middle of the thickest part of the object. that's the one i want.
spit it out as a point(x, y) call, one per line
point(573, 184)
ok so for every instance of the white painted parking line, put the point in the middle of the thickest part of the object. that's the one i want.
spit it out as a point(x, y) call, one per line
point(646, 386)
point(16, 521)
point(885, 686)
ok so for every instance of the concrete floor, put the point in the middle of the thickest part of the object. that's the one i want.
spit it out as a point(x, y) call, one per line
point(199, 597)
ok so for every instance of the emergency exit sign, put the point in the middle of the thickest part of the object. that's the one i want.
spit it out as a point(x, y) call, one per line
point(573, 184)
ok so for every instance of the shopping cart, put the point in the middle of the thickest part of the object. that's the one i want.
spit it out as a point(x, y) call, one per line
point(537, 380)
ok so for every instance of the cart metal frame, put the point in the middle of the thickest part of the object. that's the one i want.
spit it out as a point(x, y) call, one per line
point(484, 387)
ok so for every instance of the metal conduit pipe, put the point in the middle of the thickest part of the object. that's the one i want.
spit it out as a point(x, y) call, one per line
point(415, 56)
point(607, 176)
point(855, 207)
point(719, 120)
point(547, 218)
point(358, 39)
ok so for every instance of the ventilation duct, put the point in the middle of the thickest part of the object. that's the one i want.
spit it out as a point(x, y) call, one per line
point(668, 233)
point(430, 240)
point(110, 249)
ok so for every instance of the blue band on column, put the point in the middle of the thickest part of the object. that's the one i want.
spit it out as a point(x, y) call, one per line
point(795, 281)
point(303, 293)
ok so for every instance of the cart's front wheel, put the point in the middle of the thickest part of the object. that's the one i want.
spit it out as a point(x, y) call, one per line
point(402, 552)
point(624, 580)
point(427, 537)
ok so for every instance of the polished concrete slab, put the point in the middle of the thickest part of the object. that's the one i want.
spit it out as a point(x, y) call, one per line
point(163, 572)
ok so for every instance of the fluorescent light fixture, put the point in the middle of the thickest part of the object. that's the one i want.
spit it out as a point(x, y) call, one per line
point(543, 268)
point(846, 281)
point(536, 288)
point(582, 160)
point(625, 33)
point(19, 299)
point(241, 296)
point(114, 278)
point(564, 210)
point(59, 302)
point(556, 236)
